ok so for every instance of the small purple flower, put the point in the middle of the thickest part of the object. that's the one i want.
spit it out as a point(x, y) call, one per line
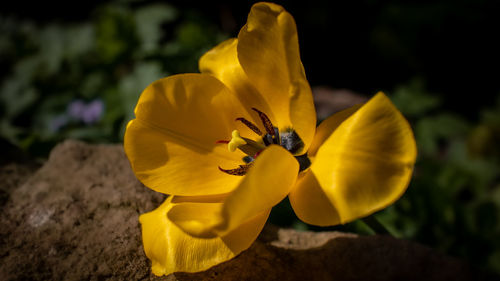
point(87, 113)
point(93, 112)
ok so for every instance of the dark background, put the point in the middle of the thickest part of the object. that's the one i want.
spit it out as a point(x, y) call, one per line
point(362, 45)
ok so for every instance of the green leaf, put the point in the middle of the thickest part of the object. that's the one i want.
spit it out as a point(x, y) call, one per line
point(430, 130)
point(413, 100)
point(115, 33)
point(16, 97)
point(79, 40)
point(149, 20)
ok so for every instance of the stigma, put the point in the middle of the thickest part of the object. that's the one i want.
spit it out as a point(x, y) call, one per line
point(236, 141)
point(288, 139)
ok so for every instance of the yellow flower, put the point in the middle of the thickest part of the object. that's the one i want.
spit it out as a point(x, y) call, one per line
point(230, 143)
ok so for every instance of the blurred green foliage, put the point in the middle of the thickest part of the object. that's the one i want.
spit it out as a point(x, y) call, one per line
point(109, 59)
point(453, 202)
point(56, 73)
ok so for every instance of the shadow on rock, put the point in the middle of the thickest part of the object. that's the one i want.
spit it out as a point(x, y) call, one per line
point(337, 256)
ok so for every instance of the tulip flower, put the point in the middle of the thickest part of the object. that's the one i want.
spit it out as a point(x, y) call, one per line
point(231, 142)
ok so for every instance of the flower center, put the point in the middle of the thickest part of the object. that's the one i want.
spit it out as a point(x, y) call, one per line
point(289, 139)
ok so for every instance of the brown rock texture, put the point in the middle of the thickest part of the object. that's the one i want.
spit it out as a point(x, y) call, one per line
point(329, 101)
point(76, 218)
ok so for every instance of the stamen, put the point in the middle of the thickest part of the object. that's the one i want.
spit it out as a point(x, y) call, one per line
point(240, 171)
point(289, 139)
point(250, 125)
point(276, 136)
point(251, 147)
point(267, 139)
point(258, 153)
point(265, 121)
point(247, 159)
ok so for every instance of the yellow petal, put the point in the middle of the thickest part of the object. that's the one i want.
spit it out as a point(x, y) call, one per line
point(171, 144)
point(172, 250)
point(267, 182)
point(326, 128)
point(310, 202)
point(363, 166)
point(268, 51)
point(222, 62)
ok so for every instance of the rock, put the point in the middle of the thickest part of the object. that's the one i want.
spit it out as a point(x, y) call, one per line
point(76, 218)
point(329, 101)
point(284, 254)
point(13, 175)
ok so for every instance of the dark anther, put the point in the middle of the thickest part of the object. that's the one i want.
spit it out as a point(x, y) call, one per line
point(265, 121)
point(247, 159)
point(268, 139)
point(276, 135)
point(250, 125)
point(240, 171)
point(304, 162)
point(291, 141)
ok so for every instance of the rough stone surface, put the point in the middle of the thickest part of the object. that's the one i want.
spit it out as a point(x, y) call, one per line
point(76, 218)
point(282, 254)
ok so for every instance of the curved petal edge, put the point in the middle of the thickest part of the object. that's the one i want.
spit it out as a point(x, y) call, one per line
point(363, 166)
point(172, 250)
